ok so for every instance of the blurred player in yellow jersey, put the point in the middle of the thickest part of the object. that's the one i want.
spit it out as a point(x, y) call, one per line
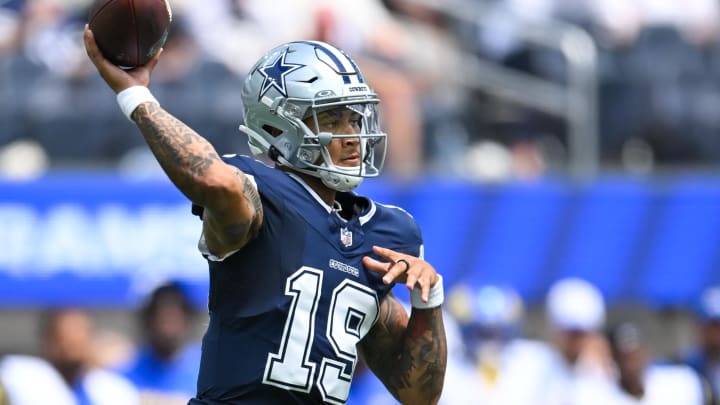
point(490, 319)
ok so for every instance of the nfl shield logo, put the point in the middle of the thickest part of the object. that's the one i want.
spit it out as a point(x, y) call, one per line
point(346, 237)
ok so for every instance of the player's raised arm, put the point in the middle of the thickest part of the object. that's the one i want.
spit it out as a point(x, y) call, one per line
point(232, 205)
point(408, 354)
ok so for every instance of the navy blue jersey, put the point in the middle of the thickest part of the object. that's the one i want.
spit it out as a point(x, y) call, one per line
point(287, 310)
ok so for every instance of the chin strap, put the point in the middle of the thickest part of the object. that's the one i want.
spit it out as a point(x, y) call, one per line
point(332, 180)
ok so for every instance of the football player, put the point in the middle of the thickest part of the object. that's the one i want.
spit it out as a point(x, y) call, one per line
point(301, 268)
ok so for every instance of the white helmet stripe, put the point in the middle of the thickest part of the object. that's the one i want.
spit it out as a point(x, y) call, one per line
point(345, 66)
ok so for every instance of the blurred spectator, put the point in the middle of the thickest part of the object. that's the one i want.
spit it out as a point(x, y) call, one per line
point(165, 366)
point(67, 343)
point(639, 381)
point(705, 358)
point(578, 359)
point(576, 314)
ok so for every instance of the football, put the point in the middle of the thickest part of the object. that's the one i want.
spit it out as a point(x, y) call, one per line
point(130, 32)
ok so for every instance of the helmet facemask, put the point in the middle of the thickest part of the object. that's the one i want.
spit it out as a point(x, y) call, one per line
point(315, 154)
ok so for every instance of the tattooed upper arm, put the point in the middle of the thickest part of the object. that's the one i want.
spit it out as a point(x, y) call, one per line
point(232, 207)
point(231, 228)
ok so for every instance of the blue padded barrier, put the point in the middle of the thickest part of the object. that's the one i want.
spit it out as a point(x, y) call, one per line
point(101, 240)
point(685, 245)
point(515, 243)
point(605, 232)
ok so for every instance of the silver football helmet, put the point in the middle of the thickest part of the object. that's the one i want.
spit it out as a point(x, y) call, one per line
point(293, 83)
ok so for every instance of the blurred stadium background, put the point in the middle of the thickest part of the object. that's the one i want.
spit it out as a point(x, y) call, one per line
point(531, 139)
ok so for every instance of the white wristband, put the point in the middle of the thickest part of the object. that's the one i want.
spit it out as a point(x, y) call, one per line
point(435, 298)
point(130, 98)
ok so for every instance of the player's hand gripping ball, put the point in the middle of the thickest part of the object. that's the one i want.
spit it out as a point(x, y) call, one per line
point(130, 32)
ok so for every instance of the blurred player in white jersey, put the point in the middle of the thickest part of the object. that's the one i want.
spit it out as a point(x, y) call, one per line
point(642, 382)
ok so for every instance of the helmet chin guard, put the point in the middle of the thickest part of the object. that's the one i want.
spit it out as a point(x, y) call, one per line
point(290, 85)
point(339, 182)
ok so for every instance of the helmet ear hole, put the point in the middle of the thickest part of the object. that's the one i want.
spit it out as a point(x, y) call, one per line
point(275, 132)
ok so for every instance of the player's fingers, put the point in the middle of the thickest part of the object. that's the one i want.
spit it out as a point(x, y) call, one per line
point(422, 280)
point(90, 45)
point(375, 265)
point(93, 50)
point(386, 253)
point(390, 271)
point(425, 288)
point(397, 271)
point(411, 280)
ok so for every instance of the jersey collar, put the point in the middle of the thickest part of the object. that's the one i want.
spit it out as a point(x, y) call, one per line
point(365, 216)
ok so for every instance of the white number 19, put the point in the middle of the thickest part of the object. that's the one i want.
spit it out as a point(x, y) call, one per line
point(353, 311)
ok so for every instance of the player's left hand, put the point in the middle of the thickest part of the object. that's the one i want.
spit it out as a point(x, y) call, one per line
point(402, 268)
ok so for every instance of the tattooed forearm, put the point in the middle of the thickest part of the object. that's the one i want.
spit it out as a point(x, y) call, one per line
point(428, 351)
point(424, 358)
point(240, 230)
point(183, 154)
point(414, 356)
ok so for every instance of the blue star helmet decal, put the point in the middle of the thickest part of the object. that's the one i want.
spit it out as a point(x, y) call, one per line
point(274, 74)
